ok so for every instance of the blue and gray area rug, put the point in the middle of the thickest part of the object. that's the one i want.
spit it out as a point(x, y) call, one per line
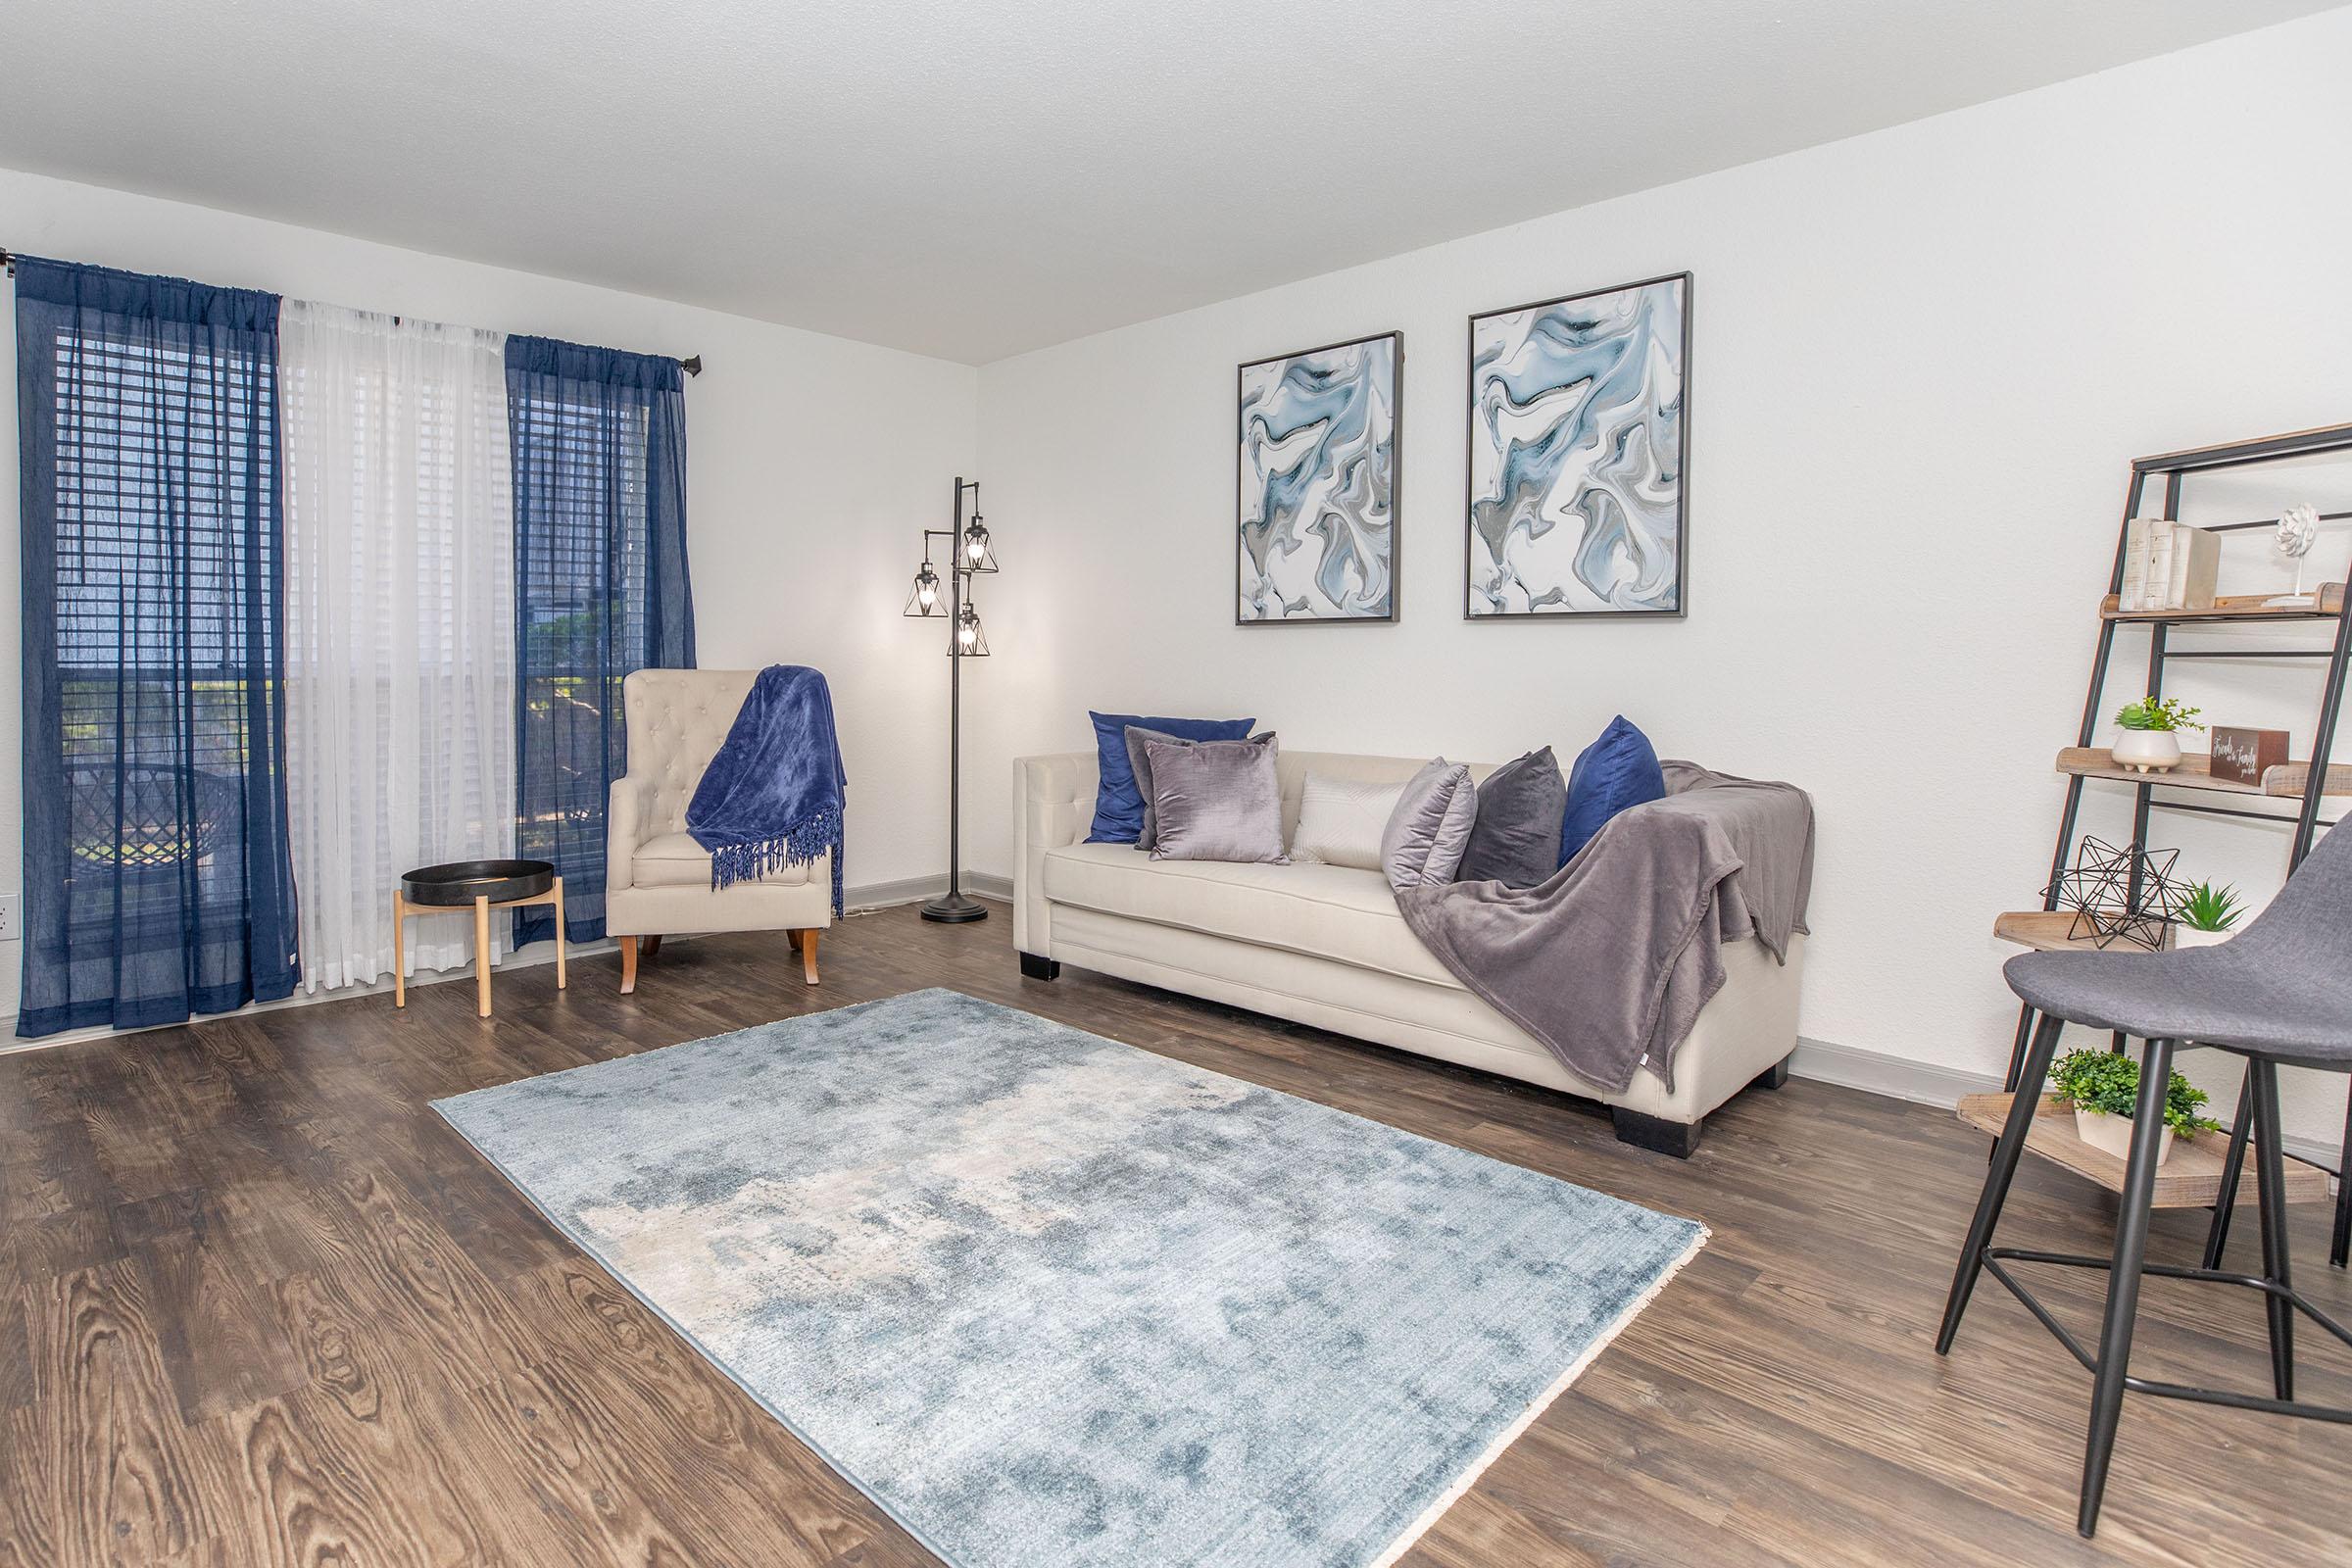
point(1051, 1299)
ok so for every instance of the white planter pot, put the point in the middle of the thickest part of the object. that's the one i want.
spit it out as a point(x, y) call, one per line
point(2146, 750)
point(2112, 1134)
point(2188, 936)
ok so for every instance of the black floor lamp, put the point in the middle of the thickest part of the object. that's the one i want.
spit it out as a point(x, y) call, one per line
point(969, 556)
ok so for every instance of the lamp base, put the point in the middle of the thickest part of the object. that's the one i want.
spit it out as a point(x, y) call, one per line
point(953, 908)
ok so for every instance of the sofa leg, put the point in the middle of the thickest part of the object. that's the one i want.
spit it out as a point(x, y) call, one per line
point(1656, 1134)
point(1771, 1077)
point(806, 941)
point(1034, 967)
point(628, 964)
point(653, 948)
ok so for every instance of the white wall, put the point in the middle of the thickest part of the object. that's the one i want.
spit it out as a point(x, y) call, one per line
point(1923, 360)
point(811, 464)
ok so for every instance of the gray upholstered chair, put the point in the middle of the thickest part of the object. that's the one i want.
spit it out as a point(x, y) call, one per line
point(2279, 992)
point(656, 877)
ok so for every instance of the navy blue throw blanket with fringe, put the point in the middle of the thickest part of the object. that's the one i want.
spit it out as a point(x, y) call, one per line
point(772, 797)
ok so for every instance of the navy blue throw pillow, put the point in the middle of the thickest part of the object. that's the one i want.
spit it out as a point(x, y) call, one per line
point(1118, 804)
point(1616, 771)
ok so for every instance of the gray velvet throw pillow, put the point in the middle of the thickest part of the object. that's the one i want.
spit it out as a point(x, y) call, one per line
point(1516, 838)
point(1216, 801)
point(1431, 827)
point(1139, 763)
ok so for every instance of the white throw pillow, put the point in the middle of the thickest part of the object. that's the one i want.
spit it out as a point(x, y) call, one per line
point(1340, 821)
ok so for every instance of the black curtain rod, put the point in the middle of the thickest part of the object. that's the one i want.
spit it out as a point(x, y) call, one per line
point(692, 365)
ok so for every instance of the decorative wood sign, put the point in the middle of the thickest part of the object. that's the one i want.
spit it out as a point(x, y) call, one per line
point(2243, 756)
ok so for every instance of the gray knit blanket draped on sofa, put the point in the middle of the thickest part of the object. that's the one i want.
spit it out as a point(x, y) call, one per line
point(1609, 962)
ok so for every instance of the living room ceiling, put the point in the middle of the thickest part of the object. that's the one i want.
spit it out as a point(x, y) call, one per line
point(973, 178)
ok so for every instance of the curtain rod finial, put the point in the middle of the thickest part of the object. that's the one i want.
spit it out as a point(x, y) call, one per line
point(692, 366)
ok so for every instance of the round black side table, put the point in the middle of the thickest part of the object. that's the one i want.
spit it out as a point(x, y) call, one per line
point(482, 884)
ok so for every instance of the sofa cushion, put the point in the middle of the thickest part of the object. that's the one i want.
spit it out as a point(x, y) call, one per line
point(1326, 911)
point(1216, 799)
point(1118, 804)
point(1422, 845)
point(1340, 820)
point(1516, 839)
point(675, 861)
point(1615, 773)
point(1139, 763)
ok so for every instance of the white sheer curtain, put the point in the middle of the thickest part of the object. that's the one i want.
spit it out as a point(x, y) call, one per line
point(400, 633)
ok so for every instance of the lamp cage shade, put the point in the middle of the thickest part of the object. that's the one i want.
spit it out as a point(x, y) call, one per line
point(970, 639)
point(974, 552)
point(924, 599)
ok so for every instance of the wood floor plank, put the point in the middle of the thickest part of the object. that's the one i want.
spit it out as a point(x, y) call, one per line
point(260, 1305)
point(221, 1349)
point(106, 1459)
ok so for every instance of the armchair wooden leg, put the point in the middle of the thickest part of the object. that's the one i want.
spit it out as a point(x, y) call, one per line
point(653, 947)
point(628, 964)
point(806, 941)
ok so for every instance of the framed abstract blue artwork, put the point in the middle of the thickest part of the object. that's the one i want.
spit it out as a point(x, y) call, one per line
point(1316, 490)
point(1577, 456)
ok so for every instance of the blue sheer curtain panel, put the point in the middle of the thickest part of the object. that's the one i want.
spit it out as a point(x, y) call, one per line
point(600, 590)
point(156, 873)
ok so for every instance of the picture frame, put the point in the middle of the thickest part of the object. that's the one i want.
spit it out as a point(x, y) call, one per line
point(1319, 436)
point(1575, 455)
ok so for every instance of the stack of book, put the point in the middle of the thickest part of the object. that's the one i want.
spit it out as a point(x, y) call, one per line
point(2168, 566)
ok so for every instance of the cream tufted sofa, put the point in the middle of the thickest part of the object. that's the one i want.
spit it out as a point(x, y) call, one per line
point(656, 878)
point(1324, 945)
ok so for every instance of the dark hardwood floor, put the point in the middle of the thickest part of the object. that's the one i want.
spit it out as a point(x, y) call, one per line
point(260, 1305)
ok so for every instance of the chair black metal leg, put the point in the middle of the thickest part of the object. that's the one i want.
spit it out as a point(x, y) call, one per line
point(2017, 1047)
point(2234, 1163)
point(2005, 1153)
point(2122, 1280)
point(2339, 1245)
point(2270, 1170)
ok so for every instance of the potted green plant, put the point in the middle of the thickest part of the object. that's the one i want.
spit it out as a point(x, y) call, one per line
point(2150, 742)
point(2207, 917)
point(2104, 1087)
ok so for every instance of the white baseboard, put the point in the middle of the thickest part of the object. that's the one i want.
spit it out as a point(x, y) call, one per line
point(1924, 1083)
point(1921, 1082)
point(918, 889)
point(530, 957)
point(854, 901)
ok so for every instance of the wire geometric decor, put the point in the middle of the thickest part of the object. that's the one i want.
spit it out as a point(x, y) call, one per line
point(2099, 887)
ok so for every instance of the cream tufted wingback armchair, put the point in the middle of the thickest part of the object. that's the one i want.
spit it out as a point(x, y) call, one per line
point(656, 878)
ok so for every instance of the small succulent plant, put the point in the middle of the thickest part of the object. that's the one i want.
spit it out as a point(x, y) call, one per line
point(2211, 909)
point(2159, 712)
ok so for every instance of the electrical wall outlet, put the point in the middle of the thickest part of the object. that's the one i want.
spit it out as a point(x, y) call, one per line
point(12, 917)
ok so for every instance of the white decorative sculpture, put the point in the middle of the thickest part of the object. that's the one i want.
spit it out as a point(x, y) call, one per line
point(2297, 528)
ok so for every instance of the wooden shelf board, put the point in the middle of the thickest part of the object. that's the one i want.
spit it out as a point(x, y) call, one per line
point(2191, 1179)
point(2193, 772)
point(2046, 931)
point(2237, 607)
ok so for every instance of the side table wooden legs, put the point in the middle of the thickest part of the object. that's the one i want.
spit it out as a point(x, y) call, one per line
point(482, 957)
point(402, 909)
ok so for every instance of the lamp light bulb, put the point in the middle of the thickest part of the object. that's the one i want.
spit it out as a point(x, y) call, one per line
point(928, 595)
point(975, 547)
point(965, 635)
